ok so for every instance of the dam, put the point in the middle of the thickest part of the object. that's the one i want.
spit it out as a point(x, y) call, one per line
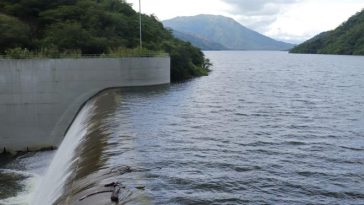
point(39, 98)
point(80, 169)
point(255, 131)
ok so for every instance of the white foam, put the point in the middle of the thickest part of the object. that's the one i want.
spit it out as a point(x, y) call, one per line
point(25, 195)
point(51, 186)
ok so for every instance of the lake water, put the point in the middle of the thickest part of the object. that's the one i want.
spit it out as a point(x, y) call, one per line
point(262, 128)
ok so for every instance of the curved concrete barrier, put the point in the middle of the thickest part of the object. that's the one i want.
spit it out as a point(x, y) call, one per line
point(39, 98)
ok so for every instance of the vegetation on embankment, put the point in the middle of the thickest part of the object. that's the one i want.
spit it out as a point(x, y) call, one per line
point(347, 39)
point(58, 28)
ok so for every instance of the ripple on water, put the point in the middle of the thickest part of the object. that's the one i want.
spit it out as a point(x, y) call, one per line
point(262, 128)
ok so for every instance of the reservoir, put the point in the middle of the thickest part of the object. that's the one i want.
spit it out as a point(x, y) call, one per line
point(263, 128)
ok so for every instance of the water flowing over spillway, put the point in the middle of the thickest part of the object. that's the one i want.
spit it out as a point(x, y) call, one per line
point(262, 128)
point(64, 162)
point(79, 172)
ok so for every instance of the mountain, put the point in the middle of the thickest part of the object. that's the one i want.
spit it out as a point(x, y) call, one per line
point(225, 31)
point(199, 42)
point(347, 39)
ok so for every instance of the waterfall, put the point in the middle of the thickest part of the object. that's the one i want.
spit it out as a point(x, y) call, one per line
point(80, 167)
point(52, 185)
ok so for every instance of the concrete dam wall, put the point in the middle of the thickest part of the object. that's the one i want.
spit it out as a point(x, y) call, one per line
point(39, 98)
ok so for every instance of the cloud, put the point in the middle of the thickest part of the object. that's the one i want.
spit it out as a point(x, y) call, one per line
point(288, 20)
point(292, 20)
point(258, 7)
point(307, 19)
point(257, 23)
point(258, 14)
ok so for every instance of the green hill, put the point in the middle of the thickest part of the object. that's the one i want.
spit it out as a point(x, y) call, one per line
point(91, 27)
point(347, 39)
point(225, 31)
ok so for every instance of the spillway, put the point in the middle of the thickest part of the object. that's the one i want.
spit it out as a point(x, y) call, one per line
point(80, 171)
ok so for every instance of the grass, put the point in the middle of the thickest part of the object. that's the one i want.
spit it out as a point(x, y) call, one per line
point(23, 53)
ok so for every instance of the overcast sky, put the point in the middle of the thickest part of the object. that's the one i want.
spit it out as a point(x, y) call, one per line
point(288, 20)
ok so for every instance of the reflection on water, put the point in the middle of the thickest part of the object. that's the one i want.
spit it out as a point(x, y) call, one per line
point(92, 172)
point(263, 128)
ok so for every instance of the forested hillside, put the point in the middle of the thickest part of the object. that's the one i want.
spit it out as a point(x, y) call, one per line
point(91, 27)
point(347, 39)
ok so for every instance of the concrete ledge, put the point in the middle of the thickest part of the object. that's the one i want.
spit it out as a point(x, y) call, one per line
point(40, 97)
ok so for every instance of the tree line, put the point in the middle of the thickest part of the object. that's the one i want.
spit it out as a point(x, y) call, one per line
point(347, 39)
point(92, 27)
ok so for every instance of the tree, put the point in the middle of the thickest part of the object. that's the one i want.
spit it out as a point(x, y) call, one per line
point(92, 27)
point(14, 33)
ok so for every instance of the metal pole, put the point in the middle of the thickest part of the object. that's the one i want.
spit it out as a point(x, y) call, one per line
point(140, 25)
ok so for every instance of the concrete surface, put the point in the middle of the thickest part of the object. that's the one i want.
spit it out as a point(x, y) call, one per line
point(40, 97)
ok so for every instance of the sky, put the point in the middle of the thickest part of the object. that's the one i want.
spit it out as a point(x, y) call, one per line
point(292, 21)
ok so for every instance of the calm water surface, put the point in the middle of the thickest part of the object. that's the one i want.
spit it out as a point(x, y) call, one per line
point(263, 128)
